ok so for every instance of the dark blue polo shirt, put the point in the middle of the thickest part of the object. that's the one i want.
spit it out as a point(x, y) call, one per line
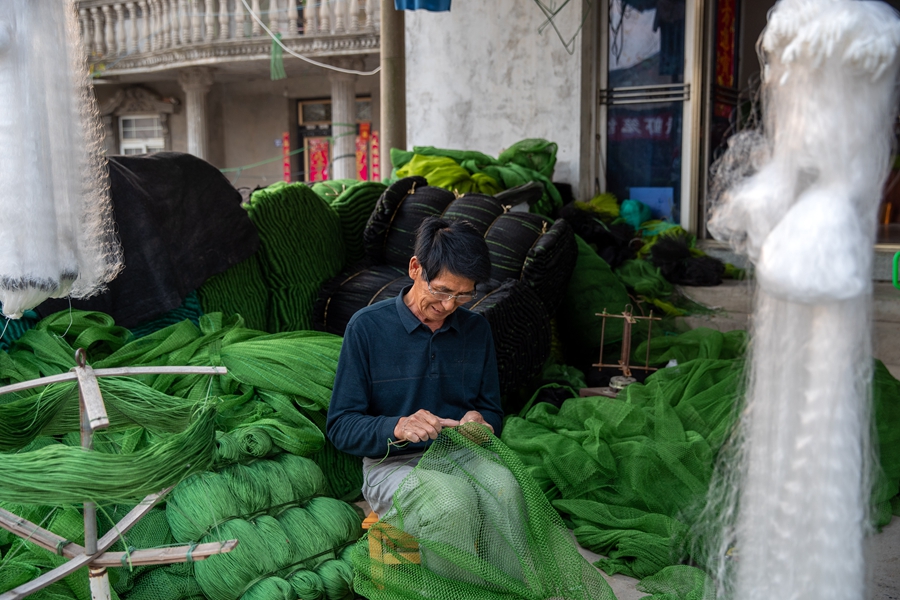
point(392, 364)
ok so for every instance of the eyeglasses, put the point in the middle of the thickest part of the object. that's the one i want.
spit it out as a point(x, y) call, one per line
point(444, 296)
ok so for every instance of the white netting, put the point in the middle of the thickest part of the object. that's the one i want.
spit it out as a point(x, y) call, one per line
point(800, 198)
point(57, 235)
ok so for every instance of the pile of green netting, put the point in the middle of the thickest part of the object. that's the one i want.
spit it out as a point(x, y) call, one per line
point(250, 428)
point(466, 171)
point(630, 474)
point(648, 256)
point(301, 246)
point(468, 523)
point(353, 201)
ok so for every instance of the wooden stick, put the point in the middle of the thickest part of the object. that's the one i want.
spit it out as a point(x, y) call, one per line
point(50, 541)
point(159, 556)
point(39, 583)
point(38, 535)
point(82, 560)
point(119, 371)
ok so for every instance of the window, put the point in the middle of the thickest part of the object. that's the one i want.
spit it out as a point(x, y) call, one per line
point(141, 134)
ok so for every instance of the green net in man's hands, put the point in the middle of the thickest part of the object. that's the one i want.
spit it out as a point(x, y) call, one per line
point(469, 523)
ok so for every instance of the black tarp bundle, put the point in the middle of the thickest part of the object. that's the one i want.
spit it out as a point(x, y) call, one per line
point(180, 221)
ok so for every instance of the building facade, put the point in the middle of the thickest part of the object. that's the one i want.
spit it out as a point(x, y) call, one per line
point(207, 77)
point(641, 95)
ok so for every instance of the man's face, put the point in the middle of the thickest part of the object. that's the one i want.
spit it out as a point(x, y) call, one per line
point(422, 301)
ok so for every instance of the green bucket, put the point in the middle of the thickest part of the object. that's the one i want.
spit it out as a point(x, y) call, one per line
point(897, 270)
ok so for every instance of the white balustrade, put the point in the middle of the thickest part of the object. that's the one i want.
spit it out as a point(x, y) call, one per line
point(223, 20)
point(116, 28)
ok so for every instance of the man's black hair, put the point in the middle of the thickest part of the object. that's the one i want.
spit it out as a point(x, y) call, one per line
point(454, 247)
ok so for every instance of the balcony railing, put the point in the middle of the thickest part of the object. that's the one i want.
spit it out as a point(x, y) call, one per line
point(118, 33)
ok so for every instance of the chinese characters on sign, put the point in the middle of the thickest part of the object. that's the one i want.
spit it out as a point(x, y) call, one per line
point(376, 157)
point(286, 155)
point(647, 125)
point(362, 152)
point(318, 156)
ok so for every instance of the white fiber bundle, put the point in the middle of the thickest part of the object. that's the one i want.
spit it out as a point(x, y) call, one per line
point(800, 198)
point(57, 233)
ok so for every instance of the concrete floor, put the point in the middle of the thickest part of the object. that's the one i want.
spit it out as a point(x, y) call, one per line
point(733, 303)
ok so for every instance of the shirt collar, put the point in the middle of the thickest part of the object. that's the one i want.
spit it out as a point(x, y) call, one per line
point(411, 321)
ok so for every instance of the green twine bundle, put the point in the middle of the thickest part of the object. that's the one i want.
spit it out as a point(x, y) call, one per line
point(227, 449)
point(299, 363)
point(241, 290)
point(330, 189)
point(253, 441)
point(199, 504)
point(313, 541)
point(268, 550)
point(270, 588)
point(305, 480)
point(307, 585)
point(345, 475)
point(59, 474)
point(54, 410)
point(225, 576)
point(354, 206)
point(337, 578)
point(339, 520)
point(301, 247)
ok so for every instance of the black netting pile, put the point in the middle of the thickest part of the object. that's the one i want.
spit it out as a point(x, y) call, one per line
point(515, 311)
point(344, 295)
point(532, 259)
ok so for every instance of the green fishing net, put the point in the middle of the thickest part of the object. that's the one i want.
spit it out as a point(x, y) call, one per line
point(241, 290)
point(444, 172)
point(354, 206)
point(523, 162)
point(592, 289)
point(469, 523)
point(630, 474)
point(301, 246)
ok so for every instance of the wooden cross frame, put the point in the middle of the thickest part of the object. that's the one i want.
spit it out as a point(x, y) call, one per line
point(624, 363)
point(94, 553)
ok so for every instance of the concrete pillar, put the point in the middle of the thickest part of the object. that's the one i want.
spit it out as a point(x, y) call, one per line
point(393, 83)
point(196, 82)
point(343, 122)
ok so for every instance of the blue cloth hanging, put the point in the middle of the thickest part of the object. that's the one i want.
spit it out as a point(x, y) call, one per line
point(433, 5)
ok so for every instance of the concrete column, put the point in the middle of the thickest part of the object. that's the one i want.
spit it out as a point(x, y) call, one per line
point(393, 83)
point(343, 122)
point(196, 82)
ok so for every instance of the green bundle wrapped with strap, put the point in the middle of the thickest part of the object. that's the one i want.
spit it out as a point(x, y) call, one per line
point(354, 206)
point(330, 189)
point(468, 523)
point(301, 246)
point(241, 290)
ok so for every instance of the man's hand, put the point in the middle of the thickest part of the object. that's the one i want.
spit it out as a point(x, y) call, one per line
point(473, 416)
point(422, 425)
